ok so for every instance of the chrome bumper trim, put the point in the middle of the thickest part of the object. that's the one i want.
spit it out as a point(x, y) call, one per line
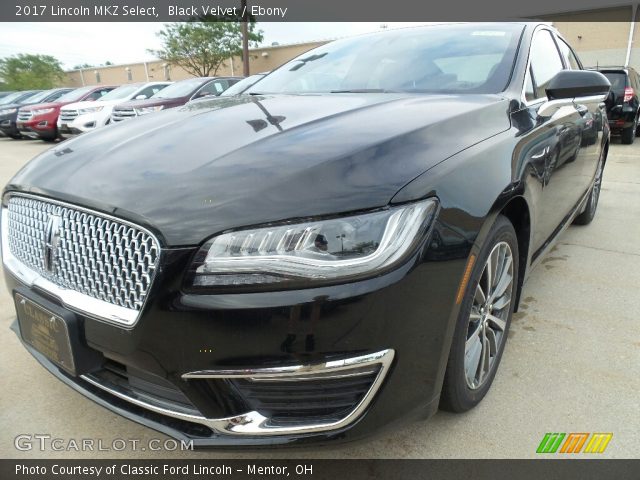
point(255, 424)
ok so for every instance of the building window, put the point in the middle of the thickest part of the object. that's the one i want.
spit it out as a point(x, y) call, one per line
point(97, 76)
point(167, 72)
point(129, 74)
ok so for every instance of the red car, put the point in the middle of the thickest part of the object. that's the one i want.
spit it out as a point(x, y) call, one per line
point(39, 120)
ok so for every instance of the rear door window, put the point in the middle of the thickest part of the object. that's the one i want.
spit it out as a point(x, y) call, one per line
point(56, 95)
point(618, 81)
point(213, 88)
point(98, 94)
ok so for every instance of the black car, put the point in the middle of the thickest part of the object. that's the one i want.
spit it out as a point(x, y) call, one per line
point(342, 246)
point(623, 102)
point(9, 113)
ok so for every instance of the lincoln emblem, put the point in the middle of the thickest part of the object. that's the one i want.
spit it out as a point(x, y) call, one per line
point(51, 240)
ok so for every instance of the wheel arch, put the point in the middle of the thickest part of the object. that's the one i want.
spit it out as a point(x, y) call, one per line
point(516, 210)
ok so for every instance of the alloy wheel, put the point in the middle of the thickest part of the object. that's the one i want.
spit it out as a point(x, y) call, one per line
point(489, 315)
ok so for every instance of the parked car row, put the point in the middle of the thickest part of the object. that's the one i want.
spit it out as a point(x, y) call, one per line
point(9, 108)
point(174, 96)
point(40, 120)
point(61, 112)
point(81, 117)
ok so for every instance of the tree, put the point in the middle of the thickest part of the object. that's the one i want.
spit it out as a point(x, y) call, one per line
point(30, 72)
point(202, 47)
point(82, 66)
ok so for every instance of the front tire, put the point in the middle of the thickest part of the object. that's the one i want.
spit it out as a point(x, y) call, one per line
point(55, 137)
point(590, 208)
point(483, 322)
point(629, 134)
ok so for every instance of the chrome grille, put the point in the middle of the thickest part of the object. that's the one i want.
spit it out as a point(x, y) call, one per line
point(68, 115)
point(97, 256)
point(120, 114)
point(24, 115)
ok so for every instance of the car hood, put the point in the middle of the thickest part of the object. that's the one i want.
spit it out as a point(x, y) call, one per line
point(12, 115)
point(39, 106)
point(11, 105)
point(191, 172)
point(88, 104)
point(152, 102)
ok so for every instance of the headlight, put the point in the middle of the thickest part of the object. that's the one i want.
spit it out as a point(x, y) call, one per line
point(8, 111)
point(145, 110)
point(42, 111)
point(82, 111)
point(318, 252)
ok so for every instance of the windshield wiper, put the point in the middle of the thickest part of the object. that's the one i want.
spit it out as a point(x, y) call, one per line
point(355, 90)
point(363, 90)
point(304, 61)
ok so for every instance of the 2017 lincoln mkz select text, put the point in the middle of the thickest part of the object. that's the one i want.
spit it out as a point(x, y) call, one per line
point(336, 248)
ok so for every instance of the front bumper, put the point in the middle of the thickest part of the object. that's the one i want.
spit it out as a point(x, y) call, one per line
point(248, 429)
point(621, 117)
point(83, 123)
point(8, 126)
point(186, 368)
point(39, 127)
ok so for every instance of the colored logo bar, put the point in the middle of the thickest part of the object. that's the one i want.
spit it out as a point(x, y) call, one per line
point(574, 442)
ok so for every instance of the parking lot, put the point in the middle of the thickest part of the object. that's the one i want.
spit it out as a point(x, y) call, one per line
point(571, 363)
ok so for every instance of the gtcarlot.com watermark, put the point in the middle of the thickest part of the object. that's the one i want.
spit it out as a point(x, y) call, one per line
point(43, 442)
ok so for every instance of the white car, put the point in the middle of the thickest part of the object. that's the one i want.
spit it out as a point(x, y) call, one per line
point(82, 117)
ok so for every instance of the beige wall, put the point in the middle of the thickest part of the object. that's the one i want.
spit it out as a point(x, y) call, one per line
point(599, 42)
point(260, 60)
point(635, 50)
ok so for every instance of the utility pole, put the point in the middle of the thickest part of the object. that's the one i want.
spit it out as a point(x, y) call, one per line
point(245, 39)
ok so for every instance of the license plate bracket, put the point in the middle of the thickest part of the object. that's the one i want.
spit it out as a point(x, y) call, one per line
point(54, 332)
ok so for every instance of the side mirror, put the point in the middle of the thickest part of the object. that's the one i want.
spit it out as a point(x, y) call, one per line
point(584, 86)
point(141, 97)
point(577, 83)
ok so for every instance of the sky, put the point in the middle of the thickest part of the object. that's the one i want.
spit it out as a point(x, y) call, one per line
point(96, 43)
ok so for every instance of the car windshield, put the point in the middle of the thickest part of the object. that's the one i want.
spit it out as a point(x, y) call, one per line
point(471, 58)
point(11, 98)
point(242, 85)
point(125, 91)
point(75, 95)
point(179, 89)
point(37, 98)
